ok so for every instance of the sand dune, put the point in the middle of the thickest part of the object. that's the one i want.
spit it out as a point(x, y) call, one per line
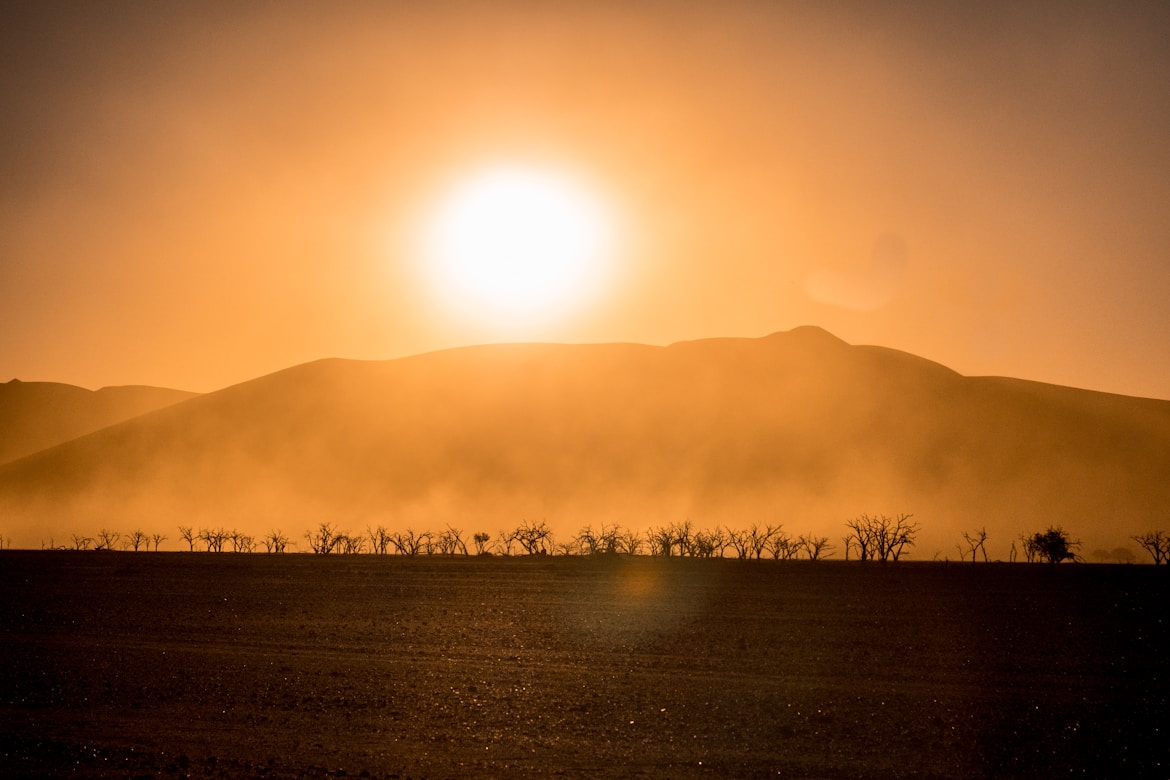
point(38, 415)
point(797, 428)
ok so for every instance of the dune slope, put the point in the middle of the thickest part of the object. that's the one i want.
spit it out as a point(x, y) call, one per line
point(797, 428)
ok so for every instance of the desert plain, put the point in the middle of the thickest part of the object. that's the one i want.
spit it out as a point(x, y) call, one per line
point(123, 664)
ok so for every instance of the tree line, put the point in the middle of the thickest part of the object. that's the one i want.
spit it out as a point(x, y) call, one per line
point(883, 538)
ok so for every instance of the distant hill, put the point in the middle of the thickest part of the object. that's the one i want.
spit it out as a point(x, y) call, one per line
point(797, 428)
point(38, 415)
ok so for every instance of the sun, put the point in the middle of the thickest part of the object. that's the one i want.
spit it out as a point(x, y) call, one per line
point(512, 244)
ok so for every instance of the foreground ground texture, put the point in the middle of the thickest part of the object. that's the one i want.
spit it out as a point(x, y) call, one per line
point(223, 665)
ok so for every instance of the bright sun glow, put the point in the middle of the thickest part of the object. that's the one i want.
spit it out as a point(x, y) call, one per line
point(514, 243)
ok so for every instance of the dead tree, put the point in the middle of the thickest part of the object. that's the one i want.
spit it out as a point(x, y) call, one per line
point(759, 537)
point(450, 542)
point(782, 546)
point(213, 538)
point(815, 547)
point(610, 539)
point(630, 542)
point(504, 542)
point(106, 540)
point(188, 535)
point(860, 537)
point(661, 541)
point(81, 542)
point(894, 535)
point(587, 542)
point(380, 540)
point(157, 539)
point(710, 544)
point(1157, 544)
point(481, 539)
point(975, 543)
point(1030, 549)
point(740, 541)
point(275, 542)
point(411, 543)
point(535, 538)
point(683, 538)
point(881, 537)
point(323, 541)
point(348, 544)
point(605, 541)
point(241, 542)
point(135, 540)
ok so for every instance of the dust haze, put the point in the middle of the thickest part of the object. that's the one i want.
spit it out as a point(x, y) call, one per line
point(796, 429)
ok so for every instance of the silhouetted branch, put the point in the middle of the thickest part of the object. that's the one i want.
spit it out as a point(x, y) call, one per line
point(1157, 544)
point(975, 544)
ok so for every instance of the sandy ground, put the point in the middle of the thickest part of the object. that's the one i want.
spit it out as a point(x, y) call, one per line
point(226, 665)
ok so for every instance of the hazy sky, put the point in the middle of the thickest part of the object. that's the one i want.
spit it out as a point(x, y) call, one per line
point(196, 194)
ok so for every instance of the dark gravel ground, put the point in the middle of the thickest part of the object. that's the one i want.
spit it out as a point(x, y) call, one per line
point(225, 665)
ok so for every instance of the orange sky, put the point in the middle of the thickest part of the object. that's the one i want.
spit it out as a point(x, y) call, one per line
point(194, 195)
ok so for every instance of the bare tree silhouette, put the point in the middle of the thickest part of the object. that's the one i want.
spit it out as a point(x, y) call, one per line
point(759, 538)
point(275, 542)
point(683, 537)
point(481, 539)
point(709, 544)
point(135, 540)
point(106, 540)
point(380, 540)
point(323, 540)
point(607, 540)
point(782, 546)
point(450, 542)
point(815, 547)
point(410, 543)
point(348, 544)
point(894, 535)
point(81, 542)
point(630, 542)
point(242, 542)
point(1157, 544)
point(661, 541)
point(535, 538)
point(504, 542)
point(188, 535)
point(213, 538)
point(861, 537)
point(975, 541)
point(158, 539)
point(880, 537)
point(740, 541)
point(587, 541)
